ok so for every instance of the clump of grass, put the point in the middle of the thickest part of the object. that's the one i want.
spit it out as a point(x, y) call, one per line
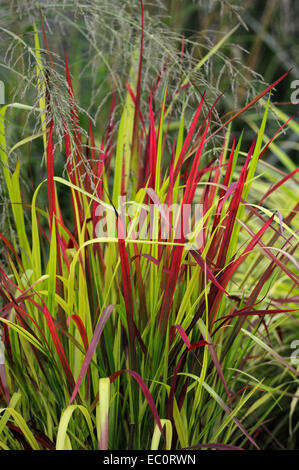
point(121, 341)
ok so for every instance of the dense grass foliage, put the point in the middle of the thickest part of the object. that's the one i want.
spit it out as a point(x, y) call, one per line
point(135, 339)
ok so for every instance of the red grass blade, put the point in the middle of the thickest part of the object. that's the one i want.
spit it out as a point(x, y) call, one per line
point(91, 349)
point(230, 270)
point(232, 211)
point(203, 264)
point(81, 328)
point(7, 244)
point(58, 347)
point(127, 287)
point(146, 393)
point(178, 250)
point(257, 98)
point(4, 381)
point(188, 140)
point(182, 334)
